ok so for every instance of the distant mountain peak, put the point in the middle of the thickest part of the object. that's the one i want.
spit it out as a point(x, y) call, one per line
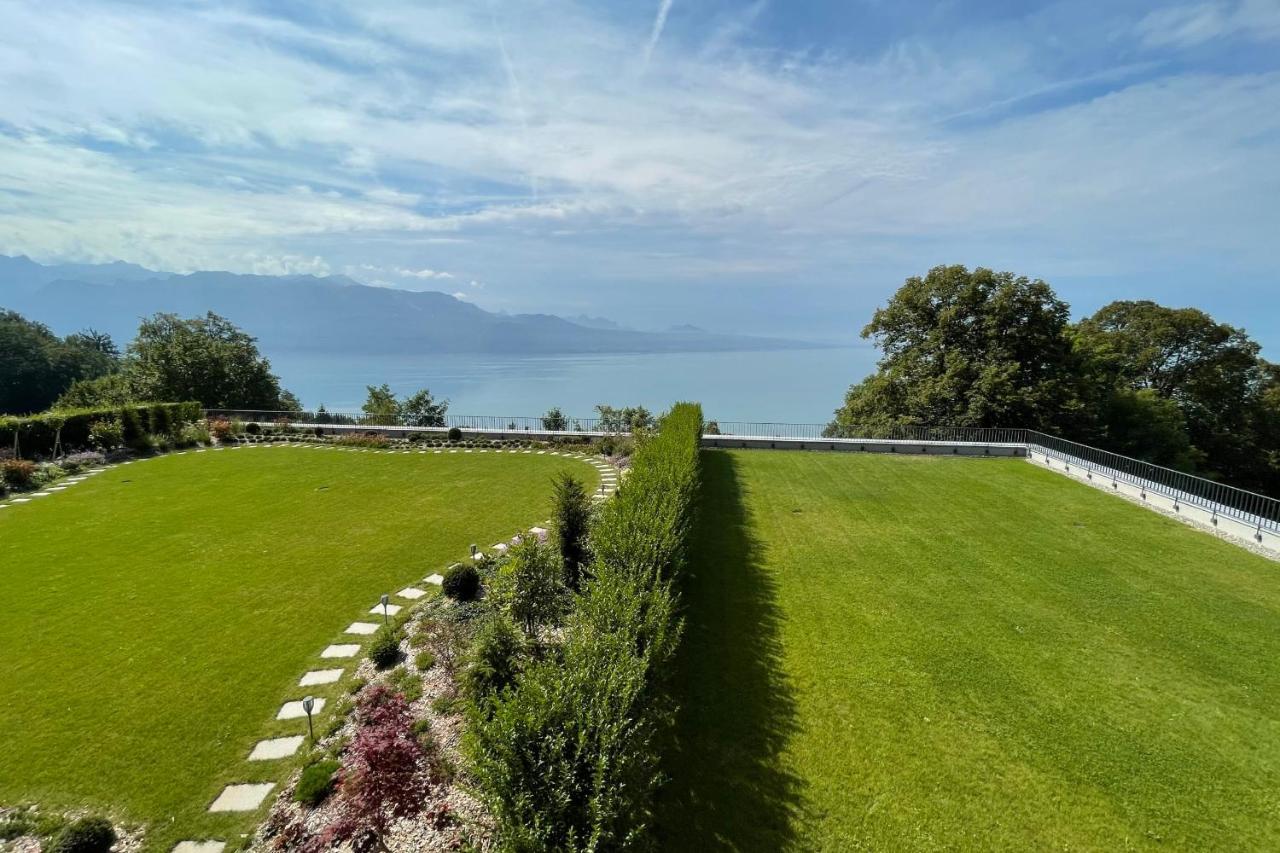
point(330, 313)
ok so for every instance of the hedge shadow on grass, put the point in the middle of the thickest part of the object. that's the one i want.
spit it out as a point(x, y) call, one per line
point(728, 787)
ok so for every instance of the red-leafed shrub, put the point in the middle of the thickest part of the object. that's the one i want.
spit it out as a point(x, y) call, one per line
point(18, 473)
point(388, 774)
point(220, 428)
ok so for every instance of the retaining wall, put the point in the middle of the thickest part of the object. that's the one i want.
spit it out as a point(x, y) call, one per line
point(1206, 516)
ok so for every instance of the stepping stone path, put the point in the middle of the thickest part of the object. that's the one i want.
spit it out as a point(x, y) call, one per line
point(362, 628)
point(320, 676)
point(341, 651)
point(276, 747)
point(412, 593)
point(435, 579)
point(293, 710)
point(199, 846)
point(392, 609)
point(241, 798)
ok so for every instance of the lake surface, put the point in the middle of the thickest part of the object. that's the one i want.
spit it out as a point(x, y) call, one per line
point(790, 386)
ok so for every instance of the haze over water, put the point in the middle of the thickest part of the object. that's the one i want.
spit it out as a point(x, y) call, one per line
point(799, 386)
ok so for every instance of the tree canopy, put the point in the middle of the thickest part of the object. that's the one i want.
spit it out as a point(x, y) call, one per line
point(983, 348)
point(36, 366)
point(420, 409)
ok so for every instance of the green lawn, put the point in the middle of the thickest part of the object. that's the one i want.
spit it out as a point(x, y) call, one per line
point(917, 653)
point(157, 615)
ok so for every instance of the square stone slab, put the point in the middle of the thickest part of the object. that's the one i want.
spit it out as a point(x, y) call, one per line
point(199, 846)
point(478, 555)
point(435, 579)
point(241, 798)
point(538, 531)
point(363, 628)
point(276, 747)
point(348, 650)
point(502, 547)
point(412, 593)
point(293, 710)
point(22, 500)
point(320, 676)
point(392, 609)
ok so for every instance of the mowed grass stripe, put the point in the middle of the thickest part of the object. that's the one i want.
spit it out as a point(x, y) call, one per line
point(156, 616)
point(967, 653)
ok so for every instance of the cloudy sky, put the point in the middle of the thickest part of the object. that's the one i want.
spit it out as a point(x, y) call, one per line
point(751, 166)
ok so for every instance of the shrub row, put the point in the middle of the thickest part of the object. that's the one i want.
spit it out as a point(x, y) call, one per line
point(37, 435)
point(566, 757)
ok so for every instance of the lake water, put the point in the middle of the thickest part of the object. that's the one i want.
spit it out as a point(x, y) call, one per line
point(794, 386)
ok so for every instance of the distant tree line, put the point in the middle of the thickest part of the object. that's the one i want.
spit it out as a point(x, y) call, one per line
point(204, 358)
point(982, 349)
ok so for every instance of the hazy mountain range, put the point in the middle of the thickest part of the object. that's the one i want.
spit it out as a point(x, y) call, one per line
point(333, 313)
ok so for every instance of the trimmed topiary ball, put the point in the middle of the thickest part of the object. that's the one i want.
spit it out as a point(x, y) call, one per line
point(384, 651)
point(85, 835)
point(455, 434)
point(461, 583)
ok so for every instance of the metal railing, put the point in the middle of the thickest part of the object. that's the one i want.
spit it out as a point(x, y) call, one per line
point(1242, 505)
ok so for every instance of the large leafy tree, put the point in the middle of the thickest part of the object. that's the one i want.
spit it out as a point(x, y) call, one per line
point(206, 359)
point(36, 366)
point(965, 348)
point(1170, 385)
point(1209, 374)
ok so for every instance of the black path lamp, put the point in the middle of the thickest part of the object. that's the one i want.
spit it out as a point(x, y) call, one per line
point(384, 600)
point(308, 704)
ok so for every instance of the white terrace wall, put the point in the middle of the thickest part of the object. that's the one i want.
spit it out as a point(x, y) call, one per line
point(1149, 495)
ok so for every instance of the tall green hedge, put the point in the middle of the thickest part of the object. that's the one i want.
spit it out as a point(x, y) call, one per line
point(567, 758)
point(37, 434)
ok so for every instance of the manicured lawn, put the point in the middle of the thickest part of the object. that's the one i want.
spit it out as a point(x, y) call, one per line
point(156, 616)
point(911, 653)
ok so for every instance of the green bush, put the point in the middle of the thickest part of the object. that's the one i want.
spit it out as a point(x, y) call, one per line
point(494, 660)
point(316, 782)
point(461, 582)
point(455, 434)
point(531, 585)
point(356, 685)
point(252, 428)
point(422, 731)
point(408, 684)
point(567, 756)
point(425, 660)
point(384, 651)
point(193, 434)
point(570, 518)
point(85, 835)
point(106, 434)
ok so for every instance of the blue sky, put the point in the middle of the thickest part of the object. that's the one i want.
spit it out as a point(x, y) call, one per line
point(745, 166)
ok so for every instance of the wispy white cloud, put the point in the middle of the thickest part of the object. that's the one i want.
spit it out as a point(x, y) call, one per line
point(1196, 23)
point(659, 24)
point(509, 144)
